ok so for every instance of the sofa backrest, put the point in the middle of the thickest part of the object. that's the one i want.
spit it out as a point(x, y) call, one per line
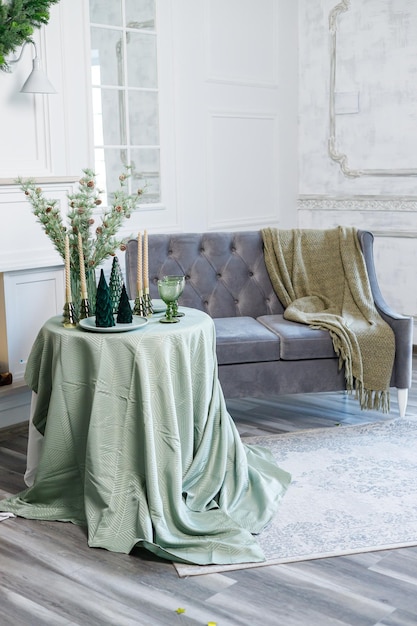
point(225, 271)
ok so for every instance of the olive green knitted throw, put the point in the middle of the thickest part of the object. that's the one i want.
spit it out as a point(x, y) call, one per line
point(321, 280)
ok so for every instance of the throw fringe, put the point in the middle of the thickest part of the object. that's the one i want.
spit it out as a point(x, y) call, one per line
point(370, 399)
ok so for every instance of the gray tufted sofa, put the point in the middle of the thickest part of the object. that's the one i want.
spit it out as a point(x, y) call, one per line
point(259, 352)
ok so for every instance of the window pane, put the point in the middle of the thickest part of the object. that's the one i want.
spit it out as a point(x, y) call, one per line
point(115, 160)
point(109, 170)
point(140, 13)
point(100, 170)
point(106, 56)
point(146, 171)
point(109, 118)
point(106, 12)
point(125, 95)
point(141, 60)
point(143, 118)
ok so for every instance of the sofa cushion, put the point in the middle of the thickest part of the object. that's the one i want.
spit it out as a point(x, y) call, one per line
point(244, 340)
point(225, 272)
point(299, 341)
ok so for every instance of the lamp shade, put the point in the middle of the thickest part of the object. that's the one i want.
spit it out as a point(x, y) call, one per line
point(37, 81)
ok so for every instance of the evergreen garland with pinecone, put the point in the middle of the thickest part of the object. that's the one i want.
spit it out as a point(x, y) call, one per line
point(18, 19)
point(98, 245)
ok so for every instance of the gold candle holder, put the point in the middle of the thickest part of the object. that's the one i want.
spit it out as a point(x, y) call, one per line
point(139, 306)
point(69, 316)
point(85, 304)
point(147, 303)
point(85, 310)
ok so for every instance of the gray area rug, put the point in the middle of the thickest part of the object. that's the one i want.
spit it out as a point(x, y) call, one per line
point(354, 489)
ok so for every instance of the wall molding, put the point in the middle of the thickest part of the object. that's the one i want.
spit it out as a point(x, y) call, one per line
point(383, 206)
point(357, 203)
point(42, 180)
point(242, 79)
point(264, 213)
point(334, 151)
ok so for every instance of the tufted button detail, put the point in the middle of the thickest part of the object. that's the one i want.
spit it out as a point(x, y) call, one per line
point(202, 249)
point(206, 302)
point(218, 275)
point(236, 301)
point(187, 277)
point(170, 252)
point(233, 249)
point(250, 273)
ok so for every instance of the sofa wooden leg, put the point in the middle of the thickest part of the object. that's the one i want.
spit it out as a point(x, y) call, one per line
point(402, 395)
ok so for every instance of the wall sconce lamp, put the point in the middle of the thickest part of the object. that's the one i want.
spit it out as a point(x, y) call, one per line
point(37, 81)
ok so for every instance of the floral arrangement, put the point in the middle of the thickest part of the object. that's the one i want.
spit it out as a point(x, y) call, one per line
point(98, 241)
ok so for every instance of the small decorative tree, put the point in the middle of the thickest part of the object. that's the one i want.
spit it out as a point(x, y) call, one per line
point(124, 313)
point(104, 310)
point(116, 284)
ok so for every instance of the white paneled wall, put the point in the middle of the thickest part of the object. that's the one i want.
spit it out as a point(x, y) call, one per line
point(48, 135)
point(232, 80)
point(23, 244)
point(241, 41)
point(241, 170)
point(228, 127)
point(30, 298)
point(46, 138)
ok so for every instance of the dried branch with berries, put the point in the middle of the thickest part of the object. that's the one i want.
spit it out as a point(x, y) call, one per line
point(99, 239)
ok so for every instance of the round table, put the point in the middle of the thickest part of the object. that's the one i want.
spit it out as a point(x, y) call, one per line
point(138, 445)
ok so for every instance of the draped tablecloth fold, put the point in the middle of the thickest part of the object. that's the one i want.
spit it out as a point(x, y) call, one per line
point(139, 446)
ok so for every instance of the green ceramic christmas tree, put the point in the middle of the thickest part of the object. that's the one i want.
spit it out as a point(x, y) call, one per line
point(124, 313)
point(116, 284)
point(104, 309)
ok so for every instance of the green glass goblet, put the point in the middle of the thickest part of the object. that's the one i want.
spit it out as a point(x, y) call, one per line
point(169, 291)
point(181, 281)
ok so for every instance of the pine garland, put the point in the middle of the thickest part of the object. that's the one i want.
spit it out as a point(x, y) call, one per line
point(18, 19)
point(97, 245)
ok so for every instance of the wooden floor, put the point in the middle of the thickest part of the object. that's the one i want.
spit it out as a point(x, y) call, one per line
point(48, 575)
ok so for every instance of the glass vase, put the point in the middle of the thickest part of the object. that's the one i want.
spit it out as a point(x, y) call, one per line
point(91, 283)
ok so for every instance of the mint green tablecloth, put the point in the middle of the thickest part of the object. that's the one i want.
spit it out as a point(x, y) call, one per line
point(139, 447)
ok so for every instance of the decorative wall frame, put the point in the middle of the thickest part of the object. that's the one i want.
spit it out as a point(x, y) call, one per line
point(335, 152)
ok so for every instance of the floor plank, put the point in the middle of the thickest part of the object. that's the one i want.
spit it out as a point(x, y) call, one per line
point(48, 575)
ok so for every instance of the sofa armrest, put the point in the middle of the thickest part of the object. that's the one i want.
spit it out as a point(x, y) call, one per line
point(401, 325)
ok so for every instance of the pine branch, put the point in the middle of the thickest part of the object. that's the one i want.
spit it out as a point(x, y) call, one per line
point(98, 243)
point(18, 19)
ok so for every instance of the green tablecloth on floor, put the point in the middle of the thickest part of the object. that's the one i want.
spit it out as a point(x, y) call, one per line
point(139, 447)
